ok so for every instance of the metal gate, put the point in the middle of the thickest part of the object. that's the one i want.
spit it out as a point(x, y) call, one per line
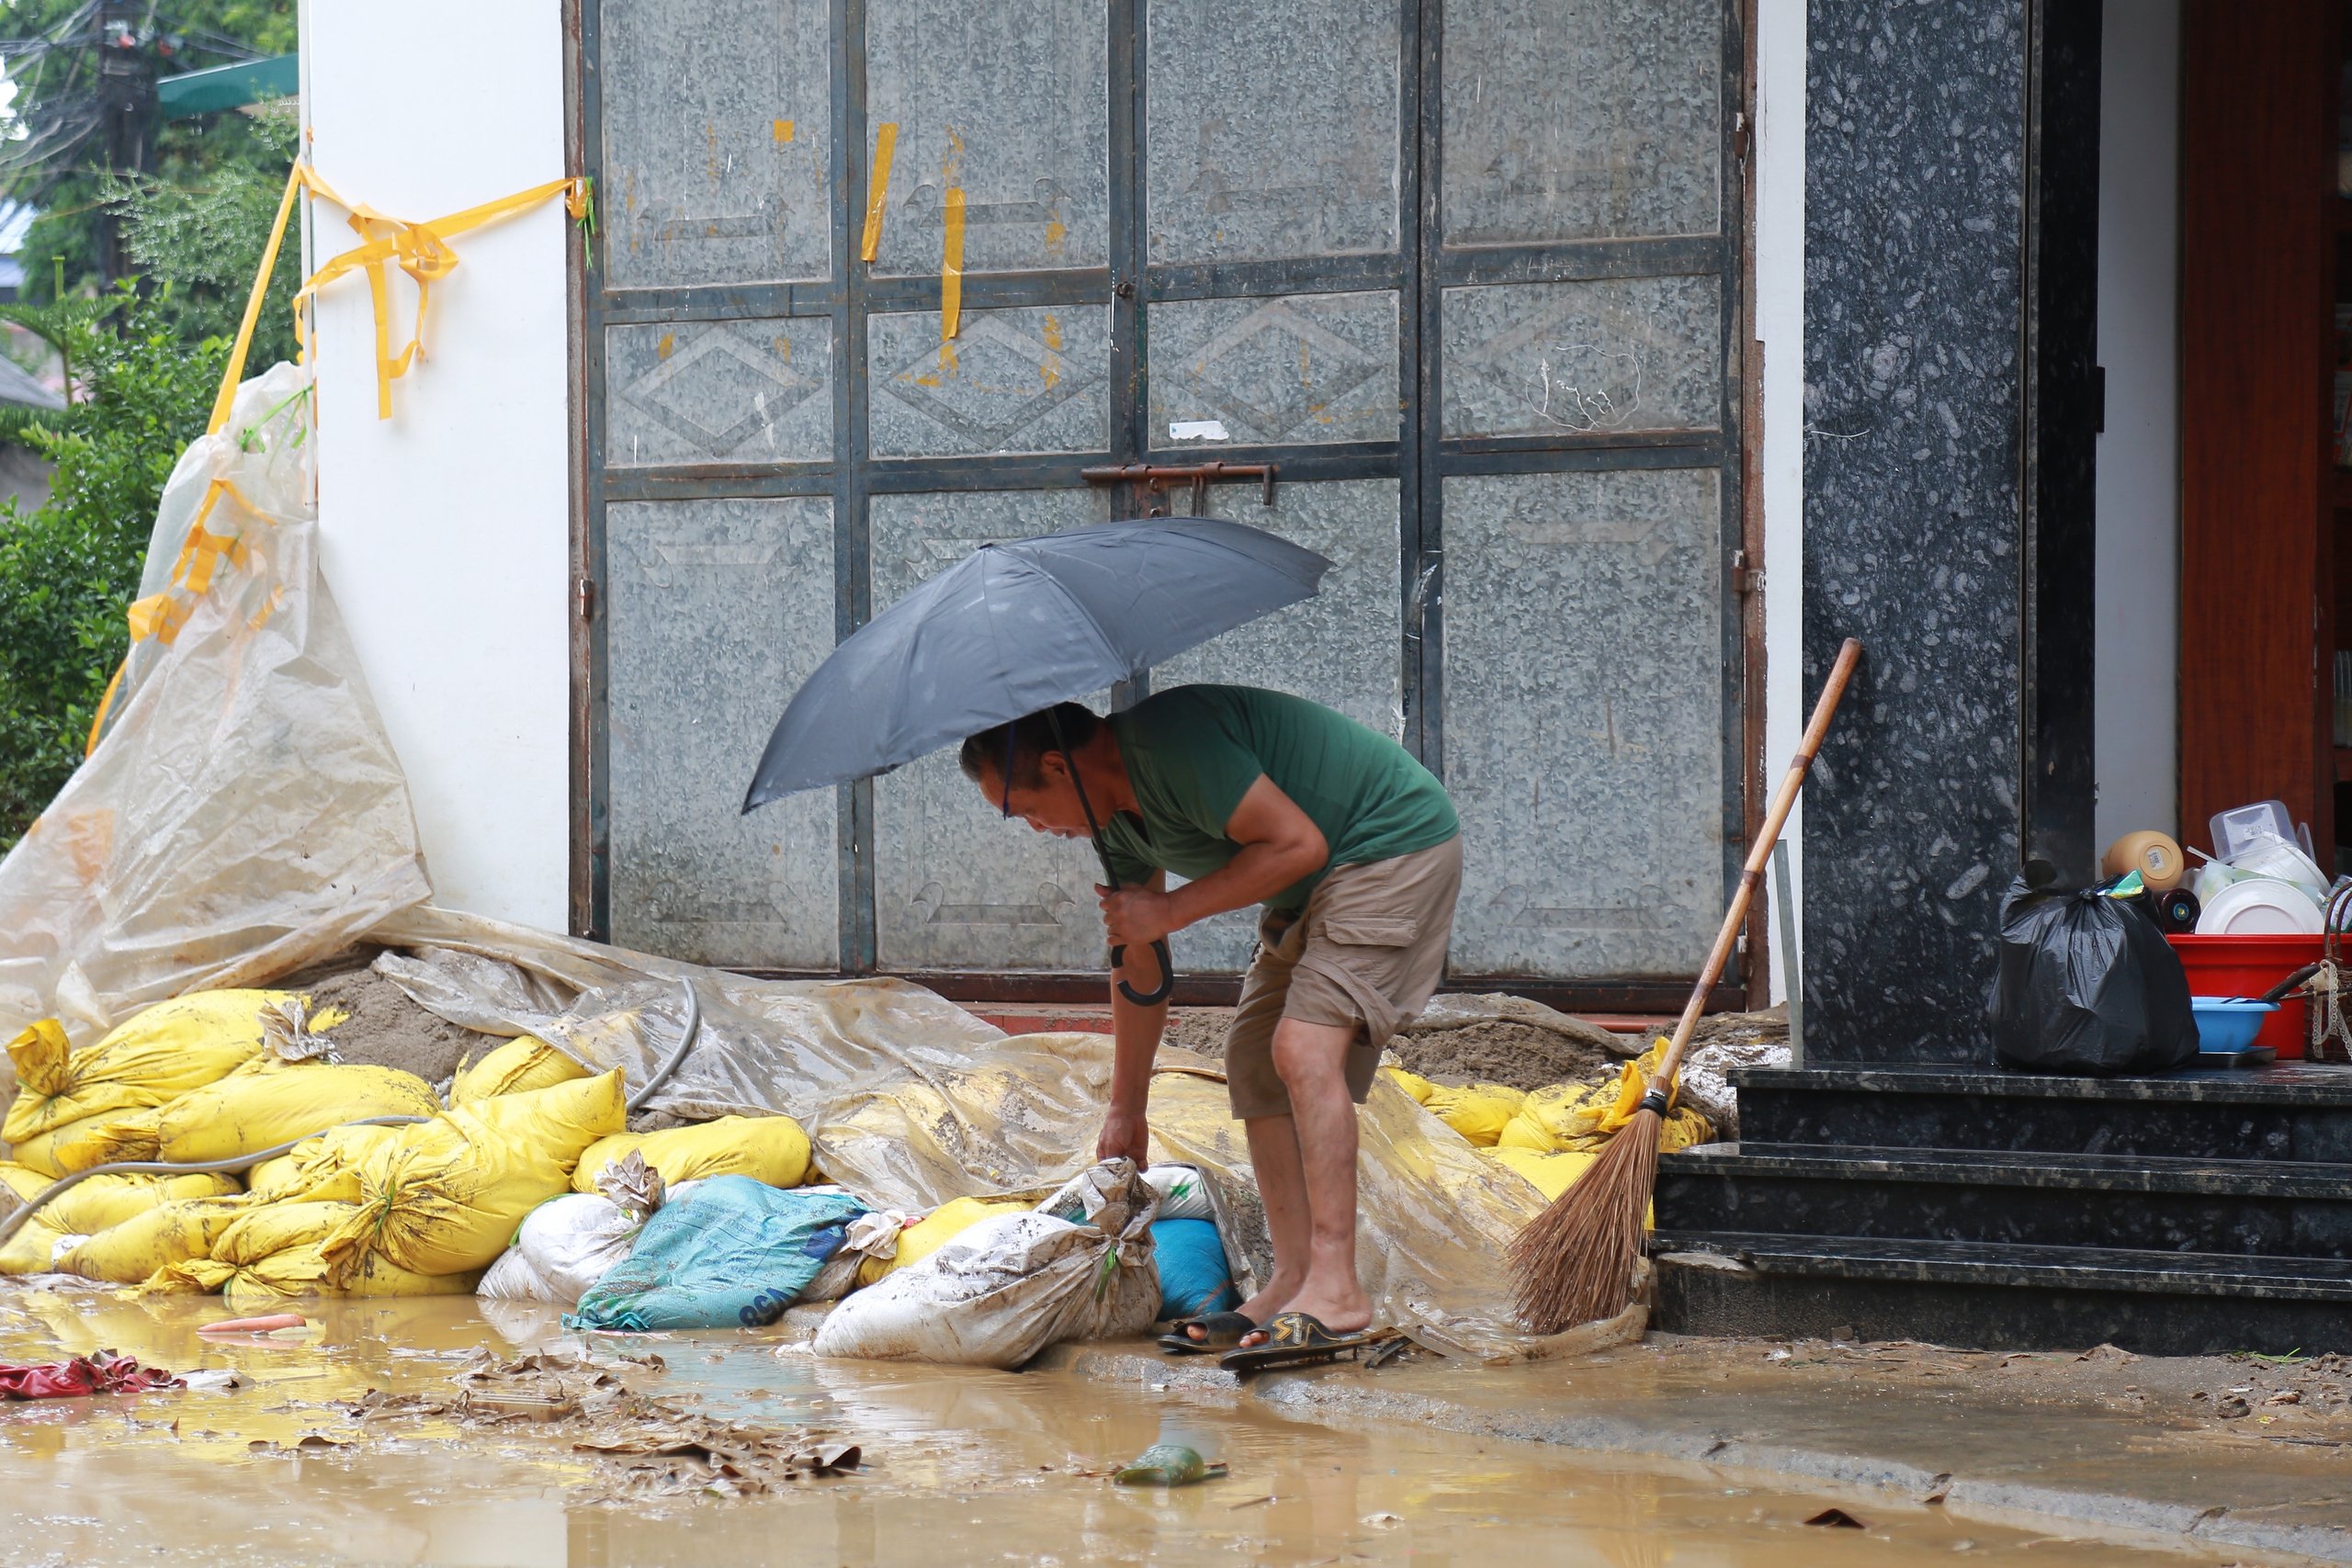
point(877, 279)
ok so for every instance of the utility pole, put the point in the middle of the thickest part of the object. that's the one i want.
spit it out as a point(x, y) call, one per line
point(127, 105)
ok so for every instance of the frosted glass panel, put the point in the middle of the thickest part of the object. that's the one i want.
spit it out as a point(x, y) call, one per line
point(1583, 358)
point(957, 887)
point(756, 391)
point(1303, 367)
point(1004, 102)
point(1584, 720)
point(717, 119)
point(1582, 121)
point(1272, 129)
point(718, 611)
point(1025, 380)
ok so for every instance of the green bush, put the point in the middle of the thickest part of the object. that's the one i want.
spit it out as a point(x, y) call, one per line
point(69, 569)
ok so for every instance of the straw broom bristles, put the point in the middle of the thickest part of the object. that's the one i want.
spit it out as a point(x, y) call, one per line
point(1574, 1261)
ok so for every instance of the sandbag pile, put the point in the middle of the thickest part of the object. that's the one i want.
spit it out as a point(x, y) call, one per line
point(1552, 1135)
point(421, 1207)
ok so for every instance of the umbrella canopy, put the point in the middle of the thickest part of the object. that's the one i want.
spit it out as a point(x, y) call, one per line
point(1021, 625)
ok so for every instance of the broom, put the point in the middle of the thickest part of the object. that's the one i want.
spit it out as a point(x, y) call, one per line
point(1575, 1260)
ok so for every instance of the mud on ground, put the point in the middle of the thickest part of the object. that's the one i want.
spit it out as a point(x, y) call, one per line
point(2301, 1401)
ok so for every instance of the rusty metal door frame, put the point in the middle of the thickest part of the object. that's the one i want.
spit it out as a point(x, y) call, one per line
point(1421, 268)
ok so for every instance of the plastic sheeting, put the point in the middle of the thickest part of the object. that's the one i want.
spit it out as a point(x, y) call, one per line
point(243, 813)
point(910, 1101)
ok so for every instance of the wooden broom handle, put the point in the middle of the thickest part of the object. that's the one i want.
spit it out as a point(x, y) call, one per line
point(1783, 800)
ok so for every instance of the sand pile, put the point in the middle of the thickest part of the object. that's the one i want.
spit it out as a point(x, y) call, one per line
point(386, 1029)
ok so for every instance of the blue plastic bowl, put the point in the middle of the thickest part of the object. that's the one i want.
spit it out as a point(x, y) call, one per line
point(2227, 1024)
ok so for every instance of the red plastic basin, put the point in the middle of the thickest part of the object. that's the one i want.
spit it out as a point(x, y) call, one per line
point(2247, 967)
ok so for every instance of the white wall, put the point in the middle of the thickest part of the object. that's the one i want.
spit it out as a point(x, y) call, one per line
point(1780, 324)
point(446, 528)
point(2139, 456)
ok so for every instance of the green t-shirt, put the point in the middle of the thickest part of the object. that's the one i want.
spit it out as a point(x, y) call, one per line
point(1191, 753)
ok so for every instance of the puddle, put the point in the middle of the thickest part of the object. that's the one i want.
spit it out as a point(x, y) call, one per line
point(963, 1466)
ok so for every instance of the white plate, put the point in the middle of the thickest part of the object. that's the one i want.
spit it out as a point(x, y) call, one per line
point(2261, 906)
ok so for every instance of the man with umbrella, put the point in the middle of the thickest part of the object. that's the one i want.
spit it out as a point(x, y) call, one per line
point(1257, 797)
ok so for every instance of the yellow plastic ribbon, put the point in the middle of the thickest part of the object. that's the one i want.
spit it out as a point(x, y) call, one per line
point(951, 269)
point(877, 189)
point(420, 249)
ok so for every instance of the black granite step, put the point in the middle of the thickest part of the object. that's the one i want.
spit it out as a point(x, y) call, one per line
point(2292, 1110)
point(2152, 1203)
point(1999, 1296)
point(1980, 1263)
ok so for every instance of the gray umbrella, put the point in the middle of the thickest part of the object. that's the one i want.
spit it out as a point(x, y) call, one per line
point(1018, 627)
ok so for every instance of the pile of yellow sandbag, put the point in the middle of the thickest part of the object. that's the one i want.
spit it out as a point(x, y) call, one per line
point(1552, 1135)
point(401, 1210)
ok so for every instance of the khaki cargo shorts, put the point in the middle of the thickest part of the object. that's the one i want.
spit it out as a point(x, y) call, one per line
point(1368, 950)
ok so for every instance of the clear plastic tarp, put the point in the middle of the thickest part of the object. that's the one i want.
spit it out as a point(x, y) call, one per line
point(244, 814)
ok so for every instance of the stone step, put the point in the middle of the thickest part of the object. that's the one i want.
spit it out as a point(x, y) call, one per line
point(1990, 1297)
point(2152, 1203)
point(2292, 1110)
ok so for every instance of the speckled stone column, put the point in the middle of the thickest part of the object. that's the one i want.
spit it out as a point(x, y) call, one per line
point(1915, 192)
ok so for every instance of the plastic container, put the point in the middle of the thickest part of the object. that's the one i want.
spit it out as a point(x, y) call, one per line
point(2237, 827)
point(2247, 967)
point(2227, 1024)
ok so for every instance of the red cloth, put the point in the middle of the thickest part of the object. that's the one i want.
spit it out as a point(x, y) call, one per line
point(102, 1373)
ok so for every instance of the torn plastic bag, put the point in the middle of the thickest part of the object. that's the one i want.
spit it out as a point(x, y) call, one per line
point(2087, 983)
point(243, 812)
point(1010, 1286)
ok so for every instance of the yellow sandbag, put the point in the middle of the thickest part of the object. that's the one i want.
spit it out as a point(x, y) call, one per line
point(934, 1231)
point(1479, 1111)
point(158, 1055)
point(302, 1271)
point(285, 1102)
point(22, 1179)
point(262, 1259)
point(1420, 1088)
point(30, 1251)
point(100, 1203)
point(766, 1148)
point(1683, 1128)
point(522, 1064)
point(107, 1138)
point(447, 1197)
point(1553, 1174)
point(171, 1232)
point(1562, 1116)
point(320, 1168)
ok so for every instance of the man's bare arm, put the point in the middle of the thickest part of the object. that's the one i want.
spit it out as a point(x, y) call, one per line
point(1280, 843)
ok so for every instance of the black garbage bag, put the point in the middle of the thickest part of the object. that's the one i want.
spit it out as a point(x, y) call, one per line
point(2088, 985)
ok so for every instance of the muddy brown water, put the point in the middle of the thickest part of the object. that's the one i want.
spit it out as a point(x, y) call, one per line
point(962, 1466)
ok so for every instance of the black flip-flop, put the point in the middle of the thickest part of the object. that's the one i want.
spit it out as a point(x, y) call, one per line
point(1222, 1331)
point(1298, 1339)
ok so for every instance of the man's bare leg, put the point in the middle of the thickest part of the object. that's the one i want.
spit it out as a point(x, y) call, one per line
point(1311, 1058)
point(1282, 1188)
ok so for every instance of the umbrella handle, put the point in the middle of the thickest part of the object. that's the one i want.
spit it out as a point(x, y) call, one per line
point(1167, 974)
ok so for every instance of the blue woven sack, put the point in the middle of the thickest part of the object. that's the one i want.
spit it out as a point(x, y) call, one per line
point(735, 1252)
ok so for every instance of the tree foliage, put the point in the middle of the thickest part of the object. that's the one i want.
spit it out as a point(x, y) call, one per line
point(69, 569)
point(143, 363)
